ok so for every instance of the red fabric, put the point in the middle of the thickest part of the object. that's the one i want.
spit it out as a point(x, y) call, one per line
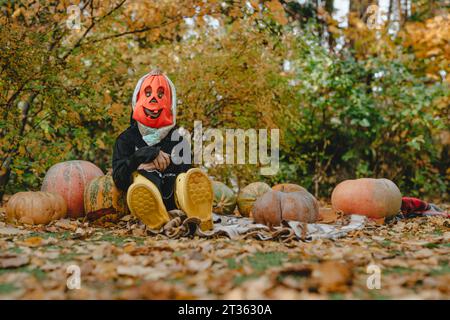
point(410, 205)
point(154, 102)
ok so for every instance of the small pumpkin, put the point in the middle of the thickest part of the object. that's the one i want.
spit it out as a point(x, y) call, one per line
point(36, 207)
point(248, 195)
point(103, 199)
point(374, 198)
point(275, 206)
point(224, 201)
point(69, 179)
point(288, 187)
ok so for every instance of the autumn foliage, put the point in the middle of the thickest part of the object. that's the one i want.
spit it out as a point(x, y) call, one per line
point(377, 107)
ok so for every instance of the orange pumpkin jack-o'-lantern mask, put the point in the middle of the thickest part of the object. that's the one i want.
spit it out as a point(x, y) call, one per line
point(153, 102)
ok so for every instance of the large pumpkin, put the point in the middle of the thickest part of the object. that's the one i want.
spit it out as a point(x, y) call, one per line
point(248, 195)
point(275, 206)
point(69, 180)
point(224, 201)
point(36, 207)
point(102, 198)
point(288, 187)
point(374, 198)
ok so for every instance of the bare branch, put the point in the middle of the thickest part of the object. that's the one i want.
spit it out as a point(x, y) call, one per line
point(121, 34)
point(93, 23)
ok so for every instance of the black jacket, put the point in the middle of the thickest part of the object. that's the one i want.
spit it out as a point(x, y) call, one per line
point(130, 150)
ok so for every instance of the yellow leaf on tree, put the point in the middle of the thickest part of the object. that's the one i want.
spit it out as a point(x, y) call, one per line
point(333, 29)
point(254, 4)
point(21, 150)
point(106, 98)
point(101, 144)
point(116, 108)
point(277, 10)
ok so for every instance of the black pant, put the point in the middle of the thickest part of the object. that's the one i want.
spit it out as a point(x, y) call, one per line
point(165, 182)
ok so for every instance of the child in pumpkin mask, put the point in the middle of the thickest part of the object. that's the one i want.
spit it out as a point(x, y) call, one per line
point(142, 161)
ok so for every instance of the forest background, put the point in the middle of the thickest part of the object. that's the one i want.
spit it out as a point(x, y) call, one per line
point(357, 88)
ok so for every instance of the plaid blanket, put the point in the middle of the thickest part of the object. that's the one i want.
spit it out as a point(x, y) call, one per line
point(414, 207)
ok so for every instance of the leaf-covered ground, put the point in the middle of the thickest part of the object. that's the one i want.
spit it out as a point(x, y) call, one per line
point(122, 262)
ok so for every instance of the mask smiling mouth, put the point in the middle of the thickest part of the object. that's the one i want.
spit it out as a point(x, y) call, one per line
point(152, 114)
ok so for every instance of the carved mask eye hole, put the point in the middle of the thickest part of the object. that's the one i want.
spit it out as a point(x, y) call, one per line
point(160, 92)
point(148, 91)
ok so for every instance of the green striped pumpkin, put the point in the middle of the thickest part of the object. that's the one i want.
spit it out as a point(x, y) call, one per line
point(103, 200)
point(224, 199)
point(248, 195)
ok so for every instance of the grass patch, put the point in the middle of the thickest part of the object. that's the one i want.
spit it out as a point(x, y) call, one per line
point(375, 295)
point(6, 288)
point(38, 273)
point(177, 254)
point(299, 260)
point(444, 269)
point(64, 257)
point(112, 238)
point(65, 235)
point(15, 250)
point(386, 243)
point(120, 241)
point(397, 253)
point(336, 296)
point(240, 279)
point(261, 261)
point(399, 270)
point(53, 247)
point(175, 281)
point(232, 264)
point(139, 240)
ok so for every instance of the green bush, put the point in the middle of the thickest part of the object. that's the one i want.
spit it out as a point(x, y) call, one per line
point(355, 119)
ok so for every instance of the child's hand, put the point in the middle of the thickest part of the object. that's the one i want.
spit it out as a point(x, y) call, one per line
point(162, 161)
point(143, 155)
point(147, 166)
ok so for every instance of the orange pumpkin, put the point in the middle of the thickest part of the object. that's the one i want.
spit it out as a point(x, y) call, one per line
point(103, 199)
point(288, 187)
point(36, 207)
point(69, 180)
point(374, 198)
point(275, 206)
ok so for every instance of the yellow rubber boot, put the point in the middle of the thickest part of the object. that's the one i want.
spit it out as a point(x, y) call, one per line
point(145, 202)
point(194, 195)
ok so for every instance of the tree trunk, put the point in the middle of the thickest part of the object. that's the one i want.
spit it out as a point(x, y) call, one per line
point(389, 17)
point(329, 7)
point(360, 6)
point(400, 13)
point(5, 168)
point(5, 171)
